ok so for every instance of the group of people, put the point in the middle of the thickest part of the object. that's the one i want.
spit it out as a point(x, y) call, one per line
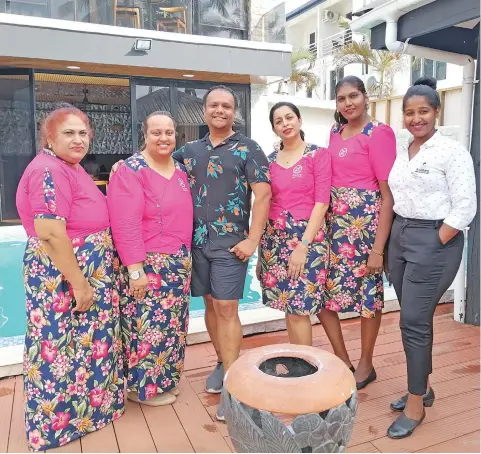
point(108, 279)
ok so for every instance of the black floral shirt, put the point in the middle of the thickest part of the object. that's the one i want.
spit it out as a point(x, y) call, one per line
point(220, 179)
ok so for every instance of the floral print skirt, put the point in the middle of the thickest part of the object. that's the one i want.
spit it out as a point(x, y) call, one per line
point(73, 380)
point(154, 330)
point(303, 296)
point(352, 223)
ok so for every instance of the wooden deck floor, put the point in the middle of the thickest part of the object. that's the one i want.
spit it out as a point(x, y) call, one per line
point(451, 425)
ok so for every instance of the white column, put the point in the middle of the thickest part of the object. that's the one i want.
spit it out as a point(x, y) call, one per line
point(467, 96)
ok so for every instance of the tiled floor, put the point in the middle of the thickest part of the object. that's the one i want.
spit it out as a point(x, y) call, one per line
point(452, 425)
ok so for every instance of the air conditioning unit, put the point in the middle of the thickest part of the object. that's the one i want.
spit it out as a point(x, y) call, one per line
point(330, 16)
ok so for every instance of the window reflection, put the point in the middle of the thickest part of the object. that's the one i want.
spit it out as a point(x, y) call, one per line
point(223, 18)
point(220, 18)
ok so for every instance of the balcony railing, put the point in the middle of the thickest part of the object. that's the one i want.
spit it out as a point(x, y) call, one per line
point(334, 42)
point(199, 17)
point(313, 49)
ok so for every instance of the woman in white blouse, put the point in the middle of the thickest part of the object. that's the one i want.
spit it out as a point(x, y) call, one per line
point(434, 193)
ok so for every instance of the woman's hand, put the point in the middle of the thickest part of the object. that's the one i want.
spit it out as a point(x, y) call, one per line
point(297, 261)
point(115, 167)
point(375, 263)
point(139, 287)
point(84, 297)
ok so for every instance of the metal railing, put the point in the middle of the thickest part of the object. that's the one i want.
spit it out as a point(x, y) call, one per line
point(334, 42)
point(313, 49)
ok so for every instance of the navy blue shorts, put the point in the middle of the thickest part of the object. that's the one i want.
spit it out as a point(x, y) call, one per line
point(217, 272)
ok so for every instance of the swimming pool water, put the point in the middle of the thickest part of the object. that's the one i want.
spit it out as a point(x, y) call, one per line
point(12, 293)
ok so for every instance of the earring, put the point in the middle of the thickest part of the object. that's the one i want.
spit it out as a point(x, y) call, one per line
point(49, 146)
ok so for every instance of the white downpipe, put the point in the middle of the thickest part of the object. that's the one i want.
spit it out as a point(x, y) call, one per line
point(467, 97)
point(390, 13)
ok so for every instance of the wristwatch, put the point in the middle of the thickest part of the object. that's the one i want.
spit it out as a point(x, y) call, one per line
point(136, 275)
point(305, 243)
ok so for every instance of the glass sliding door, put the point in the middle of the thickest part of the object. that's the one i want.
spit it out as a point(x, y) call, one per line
point(188, 98)
point(149, 96)
point(184, 100)
point(17, 136)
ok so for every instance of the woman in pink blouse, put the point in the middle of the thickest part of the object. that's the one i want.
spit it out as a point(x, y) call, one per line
point(293, 252)
point(359, 222)
point(72, 363)
point(151, 212)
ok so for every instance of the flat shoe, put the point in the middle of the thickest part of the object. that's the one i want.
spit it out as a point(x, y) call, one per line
point(403, 426)
point(156, 401)
point(370, 378)
point(175, 391)
point(400, 404)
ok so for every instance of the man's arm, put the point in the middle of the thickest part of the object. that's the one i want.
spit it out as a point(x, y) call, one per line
point(260, 210)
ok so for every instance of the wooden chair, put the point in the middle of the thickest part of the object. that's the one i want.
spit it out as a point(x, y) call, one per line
point(173, 23)
point(122, 12)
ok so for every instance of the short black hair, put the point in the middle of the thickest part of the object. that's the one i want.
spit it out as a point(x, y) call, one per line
point(424, 86)
point(220, 87)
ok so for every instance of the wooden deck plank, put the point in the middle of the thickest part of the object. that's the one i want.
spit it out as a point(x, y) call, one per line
point(426, 434)
point(229, 444)
point(197, 423)
point(17, 441)
point(189, 425)
point(132, 432)
point(438, 349)
point(375, 428)
point(398, 385)
point(73, 446)
point(7, 392)
point(103, 440)
point(439, 362)
point(465, 443)
point(443, 389)
point(363, 447)
point(166, 429)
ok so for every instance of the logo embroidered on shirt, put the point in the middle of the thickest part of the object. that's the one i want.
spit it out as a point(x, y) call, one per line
point(343, 152)
point(297, 171)
point(182, 184)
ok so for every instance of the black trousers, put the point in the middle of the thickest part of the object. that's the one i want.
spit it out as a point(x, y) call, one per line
point(421, 270)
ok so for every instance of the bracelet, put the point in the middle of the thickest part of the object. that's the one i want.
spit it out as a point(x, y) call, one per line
point(377, 252)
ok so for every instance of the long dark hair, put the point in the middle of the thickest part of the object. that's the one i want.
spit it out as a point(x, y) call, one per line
point(424, 86)
point(291, 106)
point(355, 82)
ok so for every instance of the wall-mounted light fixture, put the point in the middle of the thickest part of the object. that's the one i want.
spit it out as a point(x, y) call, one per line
point(143, 45)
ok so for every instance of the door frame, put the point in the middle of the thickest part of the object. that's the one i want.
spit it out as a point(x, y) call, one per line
point(33, 130)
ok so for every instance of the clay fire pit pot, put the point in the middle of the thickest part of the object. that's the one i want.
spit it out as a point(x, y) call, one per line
point(289, 398)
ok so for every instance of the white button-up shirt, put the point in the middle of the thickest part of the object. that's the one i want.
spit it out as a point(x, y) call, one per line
point(436, 184)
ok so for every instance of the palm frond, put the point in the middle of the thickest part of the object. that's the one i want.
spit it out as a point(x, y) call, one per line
point(385, 63)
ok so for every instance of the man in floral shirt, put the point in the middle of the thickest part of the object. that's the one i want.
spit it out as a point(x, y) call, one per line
point(224, 169)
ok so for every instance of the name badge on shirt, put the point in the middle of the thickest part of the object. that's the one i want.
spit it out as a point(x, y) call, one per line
point(297, 171)
point(422, 169)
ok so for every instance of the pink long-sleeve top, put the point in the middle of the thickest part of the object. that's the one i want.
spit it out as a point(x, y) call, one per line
point(148, 212)
point(52, 189)
point(297, 189)
point(363, 160)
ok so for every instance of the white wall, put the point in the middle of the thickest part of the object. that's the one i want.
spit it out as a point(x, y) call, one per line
point(316, 124)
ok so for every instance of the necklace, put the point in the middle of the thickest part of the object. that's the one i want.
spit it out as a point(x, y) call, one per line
point(292, 154)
